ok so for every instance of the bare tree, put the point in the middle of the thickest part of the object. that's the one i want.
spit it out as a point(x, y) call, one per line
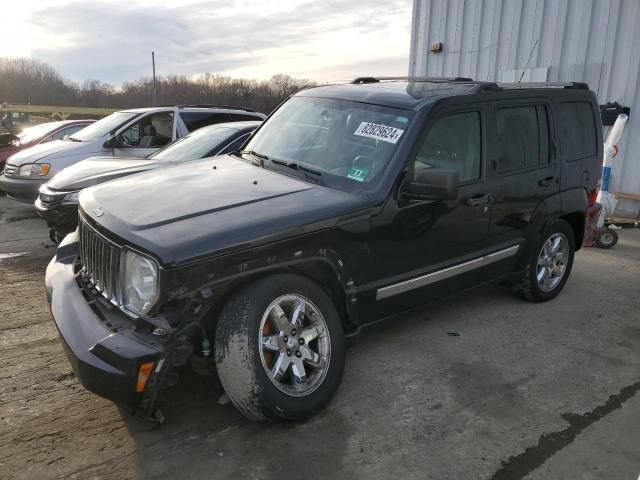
point(25, 80)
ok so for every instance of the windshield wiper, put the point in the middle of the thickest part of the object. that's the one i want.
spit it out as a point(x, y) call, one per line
point(71, 139)
point(297, 166)
point(260, 156)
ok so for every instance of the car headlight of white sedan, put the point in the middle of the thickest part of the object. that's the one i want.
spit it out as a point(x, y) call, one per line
point(34, 170)
point(140, 283)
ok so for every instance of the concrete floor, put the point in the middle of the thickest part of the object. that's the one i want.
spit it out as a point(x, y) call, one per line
point(536, 391)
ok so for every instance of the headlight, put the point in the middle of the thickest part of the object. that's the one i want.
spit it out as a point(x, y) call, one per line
point(34, 169)
point(71, 197)
point(141, 283)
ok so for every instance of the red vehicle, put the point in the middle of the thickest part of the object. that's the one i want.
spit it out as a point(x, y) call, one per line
point(45, 132)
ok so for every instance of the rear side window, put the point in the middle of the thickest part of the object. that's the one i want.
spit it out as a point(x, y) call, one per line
point(523, 137)
point(196, 120)
point(453, 143)
point(577, 130)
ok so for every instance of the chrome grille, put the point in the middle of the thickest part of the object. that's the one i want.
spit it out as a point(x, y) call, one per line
point(9, 169)
point(100, 258)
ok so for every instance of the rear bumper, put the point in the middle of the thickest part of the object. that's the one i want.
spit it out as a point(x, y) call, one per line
point(21, 189)
point(104, 360)
point(63, 217)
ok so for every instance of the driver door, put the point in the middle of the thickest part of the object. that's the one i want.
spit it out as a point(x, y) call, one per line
point(146, 135)
point(420, 248)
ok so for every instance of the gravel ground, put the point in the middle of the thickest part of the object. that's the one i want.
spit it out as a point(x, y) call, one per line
point(545, 391)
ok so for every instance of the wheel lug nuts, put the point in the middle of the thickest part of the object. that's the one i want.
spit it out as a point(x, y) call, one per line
point(298, 354)
point(293, 332)
point(301, 341)
point(286, 338)
point(288, 353)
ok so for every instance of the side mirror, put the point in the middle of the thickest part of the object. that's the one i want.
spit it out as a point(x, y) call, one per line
point(112, 142)
point(434, 184)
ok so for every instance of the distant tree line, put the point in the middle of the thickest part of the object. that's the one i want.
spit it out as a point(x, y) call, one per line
point(30, 81)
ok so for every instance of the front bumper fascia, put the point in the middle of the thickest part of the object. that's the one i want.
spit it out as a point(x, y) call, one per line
point(21, 189)
point(62, 216)
point(104, 360)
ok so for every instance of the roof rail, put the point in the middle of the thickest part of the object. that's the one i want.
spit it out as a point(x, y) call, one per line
point(211, 105)
point(412, 79)
point(515, 86)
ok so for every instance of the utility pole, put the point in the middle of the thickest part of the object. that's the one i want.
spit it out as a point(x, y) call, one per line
point(153, 65)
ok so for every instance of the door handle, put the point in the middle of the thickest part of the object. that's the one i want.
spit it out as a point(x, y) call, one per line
point(546, 182)
point(480, 200)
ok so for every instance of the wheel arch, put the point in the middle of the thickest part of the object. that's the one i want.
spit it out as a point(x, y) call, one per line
point(329, 275)
point(570, 206)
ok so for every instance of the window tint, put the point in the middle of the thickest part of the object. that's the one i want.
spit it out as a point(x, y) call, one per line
point(577, 130)
point(240, 117)
point(453, 143)
point(195, 120)
point(523, 137)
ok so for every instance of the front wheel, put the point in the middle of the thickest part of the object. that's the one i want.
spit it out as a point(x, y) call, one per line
point(279, 348)
point(549, 263)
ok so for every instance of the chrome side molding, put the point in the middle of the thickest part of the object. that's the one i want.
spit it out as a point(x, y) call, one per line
point(445, 273)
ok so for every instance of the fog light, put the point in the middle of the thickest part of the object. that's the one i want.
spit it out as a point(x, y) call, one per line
point(144, 372)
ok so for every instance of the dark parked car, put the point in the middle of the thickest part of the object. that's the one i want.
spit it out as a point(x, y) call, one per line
point(349, 205)
point(46, 132)
point(57, 202)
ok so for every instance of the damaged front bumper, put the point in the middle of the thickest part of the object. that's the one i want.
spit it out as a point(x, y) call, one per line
point(106, 356)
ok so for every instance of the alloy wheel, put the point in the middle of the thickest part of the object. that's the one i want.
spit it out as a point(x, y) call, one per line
point(552, 262)
point(295, 347)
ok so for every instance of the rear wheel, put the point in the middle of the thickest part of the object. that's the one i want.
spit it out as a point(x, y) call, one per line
point(550, 263)
point(279, 348)
point(605, 238)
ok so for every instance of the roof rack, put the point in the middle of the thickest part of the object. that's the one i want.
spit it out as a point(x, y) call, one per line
point(211, 105)
point(515, 86)
point(414, 79)
point(482, 86)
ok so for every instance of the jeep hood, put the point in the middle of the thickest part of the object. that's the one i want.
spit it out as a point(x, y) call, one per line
point(54, 149)
point(95, 170)
point(213, 206)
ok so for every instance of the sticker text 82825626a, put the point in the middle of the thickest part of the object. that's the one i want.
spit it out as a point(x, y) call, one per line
point(379, 132)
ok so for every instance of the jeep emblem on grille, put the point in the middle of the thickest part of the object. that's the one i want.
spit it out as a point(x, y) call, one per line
point(98, 212)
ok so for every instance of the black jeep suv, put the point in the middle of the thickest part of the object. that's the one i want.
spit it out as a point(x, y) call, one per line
point(350, 204)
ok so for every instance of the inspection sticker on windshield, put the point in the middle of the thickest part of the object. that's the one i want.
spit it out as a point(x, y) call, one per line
point(358, 174)
point(379, 132)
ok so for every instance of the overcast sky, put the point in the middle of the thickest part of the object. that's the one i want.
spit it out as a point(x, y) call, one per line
point(111, 40)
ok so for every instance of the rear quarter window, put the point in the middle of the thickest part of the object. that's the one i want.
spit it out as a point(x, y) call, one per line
point(577, 130)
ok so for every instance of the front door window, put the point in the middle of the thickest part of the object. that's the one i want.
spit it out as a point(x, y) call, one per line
point(151, 131)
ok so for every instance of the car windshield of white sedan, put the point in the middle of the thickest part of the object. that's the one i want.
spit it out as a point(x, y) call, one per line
point(347, 144)
point(195, 145)
point(102, 127)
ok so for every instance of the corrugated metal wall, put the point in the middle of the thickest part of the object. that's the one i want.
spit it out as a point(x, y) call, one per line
point(595, 41)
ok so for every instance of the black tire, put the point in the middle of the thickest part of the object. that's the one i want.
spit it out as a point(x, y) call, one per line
point(528, 286)
point(239, 360)
point(605, 238)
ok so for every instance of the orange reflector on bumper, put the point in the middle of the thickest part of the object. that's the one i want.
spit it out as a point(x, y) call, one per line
point(144, 372)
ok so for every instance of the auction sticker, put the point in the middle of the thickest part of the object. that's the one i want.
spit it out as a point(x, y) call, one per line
point(379, 132)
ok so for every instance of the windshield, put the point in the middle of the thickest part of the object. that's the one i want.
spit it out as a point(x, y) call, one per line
point(103, 127)
point(37, 132)
point(195, 145)
point(349, 144)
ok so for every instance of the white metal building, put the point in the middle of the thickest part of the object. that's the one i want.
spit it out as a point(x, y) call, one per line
point(592, 41)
